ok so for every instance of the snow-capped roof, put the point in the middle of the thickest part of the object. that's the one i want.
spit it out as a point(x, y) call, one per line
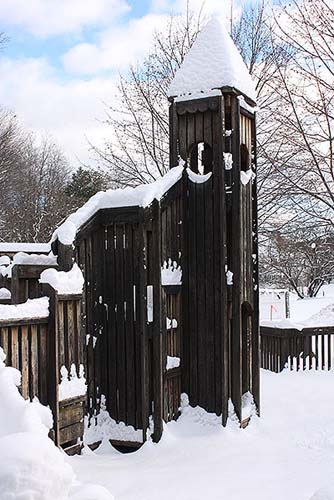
point(141, 196)
point(212, 62)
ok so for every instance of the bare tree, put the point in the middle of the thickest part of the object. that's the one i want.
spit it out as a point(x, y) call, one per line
point(300, 148)
point(33, 182)
point(302, 259)
point(138, 151)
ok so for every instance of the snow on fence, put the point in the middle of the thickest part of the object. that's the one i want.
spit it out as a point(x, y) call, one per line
point(39, 344)
point(306, 349)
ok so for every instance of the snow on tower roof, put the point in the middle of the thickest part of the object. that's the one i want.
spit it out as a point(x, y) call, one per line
point(212, 62)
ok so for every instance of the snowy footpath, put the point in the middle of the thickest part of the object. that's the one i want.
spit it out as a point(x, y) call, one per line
point(288, 454)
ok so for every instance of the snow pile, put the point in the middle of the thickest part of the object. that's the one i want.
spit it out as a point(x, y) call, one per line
point(4, 260)
point(325, 317)
point(283, 323)
point(72, 385)
point(141, 196)
point(172, 362)
point(31, 467)
point(32, 309)
point(171, 273)
point(212, 62)
point(198, 178)
point(323, 494)
point(287, 454)
point(103, 427)
point(197, 414)
point(322, 318)
point(21, 258)
point(171, 323)
point(248, 408)
point(35, 259)
point(25, 247)
point(6, 271)
point(246, 177)
point(228, 161)
point(229, 278)
point(5, 294)
point(65, 283)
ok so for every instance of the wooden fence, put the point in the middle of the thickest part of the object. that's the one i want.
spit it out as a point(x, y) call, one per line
point(310, 348)
point(39, 348)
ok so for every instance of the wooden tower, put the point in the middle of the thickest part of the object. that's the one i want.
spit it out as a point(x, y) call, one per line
point(148, 339)
point(212, 128)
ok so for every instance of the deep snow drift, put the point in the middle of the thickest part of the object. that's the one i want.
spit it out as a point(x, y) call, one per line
point(287, 454)
point(31, 467)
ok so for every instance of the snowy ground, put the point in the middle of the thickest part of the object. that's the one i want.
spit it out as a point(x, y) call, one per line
point(288, 454)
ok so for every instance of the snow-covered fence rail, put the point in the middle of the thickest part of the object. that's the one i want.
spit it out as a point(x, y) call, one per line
point(24, 282)
point(309, 348)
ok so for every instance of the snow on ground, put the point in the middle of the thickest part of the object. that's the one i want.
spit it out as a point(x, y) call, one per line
point(307, 312)
point(31, 467)
point(287, 454)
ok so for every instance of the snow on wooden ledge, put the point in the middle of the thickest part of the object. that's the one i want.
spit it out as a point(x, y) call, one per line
point(32, 309)
point(65, 283)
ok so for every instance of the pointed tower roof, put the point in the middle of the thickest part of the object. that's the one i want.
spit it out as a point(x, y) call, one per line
point(212, 62)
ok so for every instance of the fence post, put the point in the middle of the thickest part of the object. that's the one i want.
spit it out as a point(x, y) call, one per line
point(287, 304)
point(65, 256)
point(53, 355)
point(17, 287)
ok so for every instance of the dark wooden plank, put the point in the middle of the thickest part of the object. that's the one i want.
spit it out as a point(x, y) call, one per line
point(71, 433)
point(236, 245)
point(33, 362)
point(24, 361)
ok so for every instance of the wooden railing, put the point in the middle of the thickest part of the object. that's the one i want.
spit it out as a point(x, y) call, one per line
point(310, 348)
point(25, 344)
point(39, 348)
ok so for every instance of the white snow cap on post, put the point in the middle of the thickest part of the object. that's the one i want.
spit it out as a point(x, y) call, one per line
point(212, 62)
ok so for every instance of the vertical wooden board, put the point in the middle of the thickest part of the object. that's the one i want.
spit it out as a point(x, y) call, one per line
point(63, 305)
point(329, 352)
point(24, 361)
point(208, 128)
point(91, 383)
point(236, 371)
point(184, 295)
point(200, 221)
point(209, 292)
point(129, 327)
point(71, 333)
point(112, 326)
point(136, 263)
point(256, 329)
point(121, 354)
point(61, 338)
point(192, 334)
point(158, 327)
point(15, 347)
point(33, 362)
point(98, 237)
point(182, 131)
point(199, 126)
point(173, 134)
point(42, 336)
point(145, 351)
point(191, 134)
point(4, 340)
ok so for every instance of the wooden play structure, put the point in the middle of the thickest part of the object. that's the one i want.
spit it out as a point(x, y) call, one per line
point(170, 300)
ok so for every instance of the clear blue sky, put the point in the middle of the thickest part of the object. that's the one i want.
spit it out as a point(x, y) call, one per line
point(64, 56)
